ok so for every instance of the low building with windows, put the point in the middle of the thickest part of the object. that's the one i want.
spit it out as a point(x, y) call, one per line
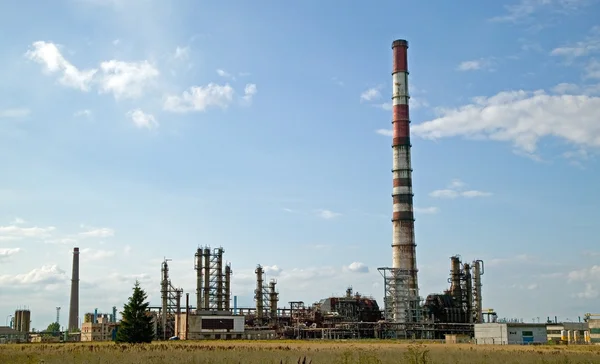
point(510, 333)
point(567, 332)
point(9, 335)
point(105, 331)
point(209, 326)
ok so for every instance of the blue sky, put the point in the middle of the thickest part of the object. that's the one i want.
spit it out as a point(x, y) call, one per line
point(138, 130)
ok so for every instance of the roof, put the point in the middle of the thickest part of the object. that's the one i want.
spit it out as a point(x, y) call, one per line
point(5, 330)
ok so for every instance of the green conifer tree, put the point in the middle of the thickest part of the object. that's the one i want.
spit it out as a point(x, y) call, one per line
point(136, 324)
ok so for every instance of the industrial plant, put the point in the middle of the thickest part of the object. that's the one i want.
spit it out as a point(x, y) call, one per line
point(404, 313)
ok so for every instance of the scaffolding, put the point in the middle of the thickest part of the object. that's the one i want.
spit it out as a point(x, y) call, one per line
point(401, 303)
point(213, 280)
point(171, 303)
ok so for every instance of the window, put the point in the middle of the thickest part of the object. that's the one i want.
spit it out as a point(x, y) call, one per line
point(527, 333)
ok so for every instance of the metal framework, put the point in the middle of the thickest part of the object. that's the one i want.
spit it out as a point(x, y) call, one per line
point(171, 303)
point(213, 280)
point(266, 297)
point(401, 303)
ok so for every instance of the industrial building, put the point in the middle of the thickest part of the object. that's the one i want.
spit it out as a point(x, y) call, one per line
point(8, 335)
point(568, 332)
point(510, 333)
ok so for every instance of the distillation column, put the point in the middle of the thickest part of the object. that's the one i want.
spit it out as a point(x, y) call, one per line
point(403, 243)
point(198, 267)
point(258, 293)
point(273, 299)
point(227, 287)
point(206, 305)
point(219, 274)
point(478, 270)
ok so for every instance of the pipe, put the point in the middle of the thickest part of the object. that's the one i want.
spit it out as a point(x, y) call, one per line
point(187, 315)
point(235, 308)
point(227, 287)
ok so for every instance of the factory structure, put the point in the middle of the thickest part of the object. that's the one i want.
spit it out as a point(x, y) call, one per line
point(404, 313)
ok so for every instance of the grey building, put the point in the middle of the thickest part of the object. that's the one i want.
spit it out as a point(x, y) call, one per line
point(510, 333)
point(9, 335)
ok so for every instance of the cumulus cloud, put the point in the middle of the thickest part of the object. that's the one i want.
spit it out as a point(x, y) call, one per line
point(97, 232)
point(224, 73)
point(249, 91)
point(272, 270)
point(590, 44)
point(427, 210)
point(14, 232)
point(122, 79)
point(523, 10)
point(182, 53)
point(357, 267)
point(474, 65)
point(199, 98)
point(370, 94)
point(327, 214)
point(126, 79)
point(455, 189)
point(14, 113)
point(142, 120)
point(83, 113)
point(520, 117)
point(47, 274)
point(49, 55)
point(6, 253)
point(89, 254)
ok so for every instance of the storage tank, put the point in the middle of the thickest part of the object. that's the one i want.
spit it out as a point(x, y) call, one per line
point(563, 335)
point(587, 338)
point(18, 318)
point(576, 336)
point(569, 336)
point(25, 320)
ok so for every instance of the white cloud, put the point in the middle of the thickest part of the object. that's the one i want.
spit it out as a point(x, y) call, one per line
point(16, 232)
point(127, 249)
point(199, 98)
point(83, 113)
point(49, 55)
point(477, 64)
point(386, 132)
point(590, 44)
point(97, 233)
point(182, 53)
point(47, 274)
point(357, 267)
point(224, 73)
point(589, 292)
point(370, 94)
point(455, 189)
point(525, 9)
point(593, 69)
point(272, 270)
point(427, 210)
point(89, 254)
point(122, 79)
point(126, 79)
point(327, 214)
point(65, 241)
point(142, 120)
point(444, 193)
point(249, 91)
point(18, 221)
point(520, 117)
point(6, 253)
point(14, 113)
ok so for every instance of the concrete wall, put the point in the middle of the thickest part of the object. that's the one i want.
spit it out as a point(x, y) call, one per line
point(510, 333)
point(594, 325)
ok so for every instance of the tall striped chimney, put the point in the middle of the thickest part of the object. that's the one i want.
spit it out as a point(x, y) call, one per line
point(74, 304)
point(403, 243)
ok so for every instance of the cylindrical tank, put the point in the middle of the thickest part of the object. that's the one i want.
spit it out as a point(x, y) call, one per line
point(25, 320)
point(576, 336)
point(563, 335)
point(18, 319)
point(569, 336)
point(587, 338)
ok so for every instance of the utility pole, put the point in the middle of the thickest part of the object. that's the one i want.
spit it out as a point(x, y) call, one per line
point(58, 315)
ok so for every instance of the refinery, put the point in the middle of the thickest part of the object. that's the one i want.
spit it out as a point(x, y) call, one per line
point(211, 311)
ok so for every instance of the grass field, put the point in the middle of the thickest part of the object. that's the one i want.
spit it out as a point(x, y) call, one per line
point(264, 352)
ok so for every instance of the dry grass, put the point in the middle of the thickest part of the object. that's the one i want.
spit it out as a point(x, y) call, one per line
point(264, 352)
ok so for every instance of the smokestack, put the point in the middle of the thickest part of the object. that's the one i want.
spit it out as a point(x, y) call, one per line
point(74, 305)
point(403, 243)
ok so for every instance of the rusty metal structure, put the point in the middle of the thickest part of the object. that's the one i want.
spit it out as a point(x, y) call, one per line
point(213, 280)
point(171, 304)
point(461, 303)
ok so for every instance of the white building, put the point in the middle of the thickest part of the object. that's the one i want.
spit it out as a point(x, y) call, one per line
point(505, 333)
